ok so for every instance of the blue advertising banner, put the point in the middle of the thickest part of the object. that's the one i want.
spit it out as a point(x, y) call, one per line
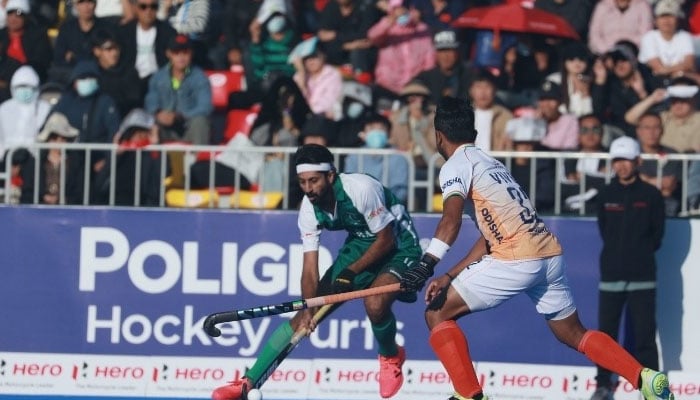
point(140, 282)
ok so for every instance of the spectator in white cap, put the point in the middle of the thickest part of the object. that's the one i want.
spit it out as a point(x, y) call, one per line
point(52, 189)
point(631, 222)
point(681, 119)
point(25, 41)
point(667, 50)
point(450, 76)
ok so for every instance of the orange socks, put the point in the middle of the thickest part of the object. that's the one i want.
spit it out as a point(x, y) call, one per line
point(450, 346)
point(604, 351)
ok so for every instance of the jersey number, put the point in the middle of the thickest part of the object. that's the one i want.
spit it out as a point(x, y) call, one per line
point(527, 215)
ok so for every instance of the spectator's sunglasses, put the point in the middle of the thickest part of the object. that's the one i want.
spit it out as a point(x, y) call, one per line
point(146, 6)
point(16, 12)
point(590, 129)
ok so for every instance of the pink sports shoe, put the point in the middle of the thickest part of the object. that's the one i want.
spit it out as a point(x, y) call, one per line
point(232, 391)
point(390, 375)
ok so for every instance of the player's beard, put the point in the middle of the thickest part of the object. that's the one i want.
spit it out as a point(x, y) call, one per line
point(320, 196)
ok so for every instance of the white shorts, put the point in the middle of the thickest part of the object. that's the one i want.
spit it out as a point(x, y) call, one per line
point(489, 282)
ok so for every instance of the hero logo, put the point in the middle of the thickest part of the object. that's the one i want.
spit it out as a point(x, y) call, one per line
point(183, 267)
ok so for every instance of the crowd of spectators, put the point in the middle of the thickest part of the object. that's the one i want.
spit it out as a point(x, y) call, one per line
point(370, 70)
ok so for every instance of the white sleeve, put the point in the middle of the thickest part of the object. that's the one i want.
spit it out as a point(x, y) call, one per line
point(367, 195)
point(647, 47)
point(455, 181)
point(685, 43)
point(308, 226)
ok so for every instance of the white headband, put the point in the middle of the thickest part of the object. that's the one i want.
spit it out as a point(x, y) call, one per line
point(320, 167)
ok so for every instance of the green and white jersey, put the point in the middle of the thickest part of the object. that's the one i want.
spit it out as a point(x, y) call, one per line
point(363, 208)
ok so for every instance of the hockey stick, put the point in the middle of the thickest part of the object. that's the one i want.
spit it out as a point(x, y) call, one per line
point(293, 342)
point(274, 309)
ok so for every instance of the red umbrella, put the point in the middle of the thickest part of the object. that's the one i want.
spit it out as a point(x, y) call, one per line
point(515, 17)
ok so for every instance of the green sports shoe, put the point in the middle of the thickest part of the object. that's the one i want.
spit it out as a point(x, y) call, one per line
point(655, 385)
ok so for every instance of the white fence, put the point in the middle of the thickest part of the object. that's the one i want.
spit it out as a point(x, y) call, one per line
point(174, 160)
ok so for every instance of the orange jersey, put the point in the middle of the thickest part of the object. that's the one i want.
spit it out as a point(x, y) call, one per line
point(498, 205)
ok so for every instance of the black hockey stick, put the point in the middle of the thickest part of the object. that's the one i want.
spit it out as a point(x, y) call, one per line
point(212, 320)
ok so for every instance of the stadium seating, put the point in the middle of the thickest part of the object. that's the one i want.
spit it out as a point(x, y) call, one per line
point(223, 83)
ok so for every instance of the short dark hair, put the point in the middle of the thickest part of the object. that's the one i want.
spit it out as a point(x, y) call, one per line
point(588, 116)
point(101, 36)
point(318, 125)
point(313, 154)
point(454, 117)
point(651, 114)
point(375, 118)
point(483, 75)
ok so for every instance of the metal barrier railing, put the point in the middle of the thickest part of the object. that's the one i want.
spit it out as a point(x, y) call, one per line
point(559, 156)
point(188, 153)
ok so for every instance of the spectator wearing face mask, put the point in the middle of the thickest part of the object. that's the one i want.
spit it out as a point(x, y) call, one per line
point(90, 110)
point(356, 105)
point(21, 118)
point(391, 170)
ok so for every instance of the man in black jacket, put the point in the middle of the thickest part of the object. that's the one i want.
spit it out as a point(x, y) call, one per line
point(631, 222)
point(116, 78)
point(73, 43)
point(145, 39)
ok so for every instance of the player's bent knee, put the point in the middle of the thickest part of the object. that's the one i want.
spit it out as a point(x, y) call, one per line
point(377, 311)
point(434, 318)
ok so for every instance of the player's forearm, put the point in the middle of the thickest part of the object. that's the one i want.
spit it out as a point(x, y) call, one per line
point(448, 229)
point(310, 275)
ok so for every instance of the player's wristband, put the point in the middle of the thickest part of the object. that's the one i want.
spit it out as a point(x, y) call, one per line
point(449, 276)
point(437, 248)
